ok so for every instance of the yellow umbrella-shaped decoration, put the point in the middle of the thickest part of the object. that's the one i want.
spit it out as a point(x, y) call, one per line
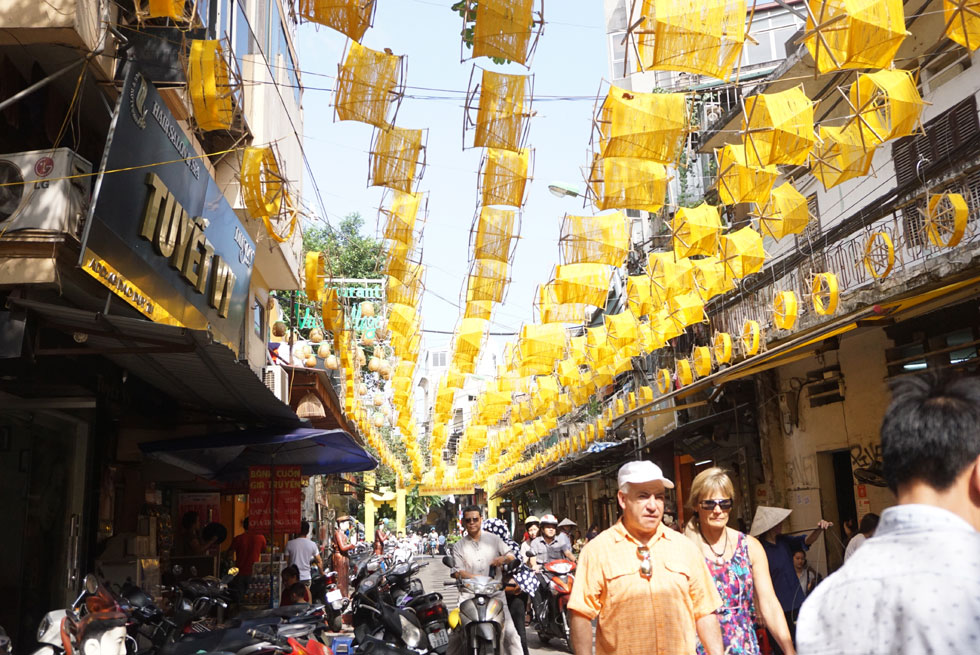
point(751, 337)
point(785, 310)
point(628, 183)
point(825, 293)
point(582, 283)
point(879, 255)
point(367, 86)
point(264, 189)
point(742, 253)
point(696, 230)
point(785, 212)
point(703, 37)
point(685, 309)
point(543, 343)
point(849, 34)
point(663, 380)
point(722, 347)
point(401, 217)
point(739, 180)
point(651, 337)
point(709, 278)
point(778, 128)
point(496, 229)
point(601, 239)
point(946, 218)
point(845, 153)
point(669, 275)
point(651, 126)
point(701, 358)
point(887, 104)
point(685, 375)
point(963, 22)
point(504, 176)
point(622, 329)
point(210, 87)
point(503, 29)
point(639, 294)
point(503, 111)
point(487, 280)
point(396, 155)
point(349, 17)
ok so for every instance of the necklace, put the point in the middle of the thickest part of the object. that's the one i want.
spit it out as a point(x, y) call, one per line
point(719, 557)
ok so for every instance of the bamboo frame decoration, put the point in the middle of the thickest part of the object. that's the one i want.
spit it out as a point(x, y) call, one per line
point(494, 234)
point(785, 310)
point(825, 293)
point(785, 212)
point(551, 311)
point(582, 283)
point(503, 110)
point(352, 18)
point(504, 175)
point(213, 85)
point(397, 158)
point(742, 252)
point(602, 239)
point(503, 29)
point(265, 193)
point(701, 358)
point(853, 34)
point(710, 279)
point(652, 126)
point(685, 309)
point(722, 347)
point(685, 376)
point(946, 218)
point(181, 12)
point(694, 36)
point(879, 255)
point(886, 105)
point(402, 216)
point(315, 267)
point(844, 154)
point(778, 127)
point(669, 275)
point(751, 338)
point(739, 181)
point(370, 86)
point(963, 22)
point(487, 280)
point(695, 231)
point(627, 183)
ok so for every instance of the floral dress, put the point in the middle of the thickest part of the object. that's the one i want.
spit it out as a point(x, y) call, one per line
point(734, 581)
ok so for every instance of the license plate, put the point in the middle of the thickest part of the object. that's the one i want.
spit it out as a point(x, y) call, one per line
point(334, 595)
point(438, 638)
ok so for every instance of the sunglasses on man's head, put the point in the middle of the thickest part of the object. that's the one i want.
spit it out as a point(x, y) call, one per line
point(471, 519)
point(725, 504)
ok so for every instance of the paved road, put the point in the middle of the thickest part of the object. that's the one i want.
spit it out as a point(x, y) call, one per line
point(436, 573)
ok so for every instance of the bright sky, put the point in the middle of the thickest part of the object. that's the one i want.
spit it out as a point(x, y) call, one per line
point(570, 61)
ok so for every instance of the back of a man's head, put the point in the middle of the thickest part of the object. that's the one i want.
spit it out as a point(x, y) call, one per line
point(304, 529)
point(931, 431)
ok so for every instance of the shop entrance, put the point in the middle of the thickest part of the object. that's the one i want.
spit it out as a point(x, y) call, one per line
point(836, 500)
point(42, 476)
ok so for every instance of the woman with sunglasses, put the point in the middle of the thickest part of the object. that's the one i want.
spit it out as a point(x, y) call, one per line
point(738, 565)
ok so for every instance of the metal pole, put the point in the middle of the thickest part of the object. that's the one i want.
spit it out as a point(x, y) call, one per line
point(40, 84)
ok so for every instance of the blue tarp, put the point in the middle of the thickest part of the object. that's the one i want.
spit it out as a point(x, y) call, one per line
point(227, 456)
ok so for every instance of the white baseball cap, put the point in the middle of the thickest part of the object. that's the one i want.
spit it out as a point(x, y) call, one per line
point(642, 471)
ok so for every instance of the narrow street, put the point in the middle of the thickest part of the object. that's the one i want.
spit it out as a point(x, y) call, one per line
point(435, 574)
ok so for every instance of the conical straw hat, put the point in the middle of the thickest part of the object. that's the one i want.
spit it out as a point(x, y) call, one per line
point(565, 522)
point(766, 518)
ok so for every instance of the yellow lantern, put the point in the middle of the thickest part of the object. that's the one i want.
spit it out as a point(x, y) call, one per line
point(310, 361)
point(503, 30)
point(504, 176)
point(684, 374)
point(696, 231)
point(639, 294)
point(685, 309)
point(879, 255)
point(962, 22)
point(628, 183)
point(701, 357)
point(643, 126)
point(785, 310)
point(351, 18)
point(367, 86)
point(209, 85)
point(742, 253)
point(723, 347)
point(395, 157)
point(374, 365)
point(503, 111)
point(739, 180)
point(778, 128)
point(582, 283)
point(844, 154)
point(946, 218)
point(751, 337)
point(887, 104)
point(710, 279)
point(785, 212)
point(849, 34)
point(663, 380)
point(600, 239)
point(825, 293)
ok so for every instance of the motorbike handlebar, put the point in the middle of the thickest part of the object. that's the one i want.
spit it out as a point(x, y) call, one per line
point(261, 635)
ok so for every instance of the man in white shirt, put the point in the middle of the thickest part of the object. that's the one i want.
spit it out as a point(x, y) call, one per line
point(913, 589)
point(301, 551)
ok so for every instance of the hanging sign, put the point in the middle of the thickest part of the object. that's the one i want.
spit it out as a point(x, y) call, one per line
point(281, 487)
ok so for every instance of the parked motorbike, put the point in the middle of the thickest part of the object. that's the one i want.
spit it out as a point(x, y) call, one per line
point(481, 618)
point(53, 633)
point(379, 626)
point(552, 621)
point(6, 647)
point(324, 590)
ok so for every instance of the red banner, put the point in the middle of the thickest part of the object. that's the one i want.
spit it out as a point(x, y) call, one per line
point(283, 485)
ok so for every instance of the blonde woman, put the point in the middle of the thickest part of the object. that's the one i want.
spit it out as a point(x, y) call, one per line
point(738, 565)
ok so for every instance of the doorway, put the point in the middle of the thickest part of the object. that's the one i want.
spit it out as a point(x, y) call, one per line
point(837, 502)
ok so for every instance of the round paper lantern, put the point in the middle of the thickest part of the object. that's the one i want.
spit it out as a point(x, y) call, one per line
point(279, 329)
point(307, 350)
point(316, 335)
point(367, 340)
point(702, 361)
point(879, 255)
point(374, 365)
point(310, 362)
point(332, 363)
point(379, 399)
point(663, 380)
point(946, 217)
point(378, 420)
point(367, 309)
point(723, 348)
point(323, 350)
point(684, 374)
point(785, 310)
point(825, 293)
point(751, 337)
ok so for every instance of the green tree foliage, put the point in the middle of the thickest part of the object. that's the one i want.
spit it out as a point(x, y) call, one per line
point(349, 253)
point(469, 19)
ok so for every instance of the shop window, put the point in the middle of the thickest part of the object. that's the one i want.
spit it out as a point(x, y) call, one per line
point(258, 319)
point(942, 136)
point(439, 359)
point(948, 339)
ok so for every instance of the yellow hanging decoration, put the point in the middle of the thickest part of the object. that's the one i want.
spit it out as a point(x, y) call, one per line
point(651, 126)
point(879, 255)
point(402, 215)
point(332, 313)
point(751, 337)
point(315, 268)
point(503, 111)
point(487, 280)
point(785, 212)
point(600, 239)
point(669, 276)
point(685, 375)
point(639, 294)
point(685, 309)
point(582, 283)
point(351, 18)
point(845, 153)
point(209, 86)
point(663, 380)
point(696, 231)
point(367, 86)
point(179, 11)
point(963, 22)
point(496, 228)
point(551, 311)
point(710, 279)
point(946, 218)
point(504, 177)
point(622, 329)
point(887, 105)
point(778, 128)
point(785, 310)
point(478, 309)
point(503, 29)
point(849, 34)
point(264, 192)
point(470, 335)
point(722, 347)
point(825, 293)
point(703, 37)
point(742, 253)
point(395, 155)
point(740, 181)
point(397, 291)
point(701, 357)
point(628, 183)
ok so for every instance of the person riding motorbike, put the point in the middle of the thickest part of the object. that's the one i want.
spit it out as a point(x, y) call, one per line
point(549, 546)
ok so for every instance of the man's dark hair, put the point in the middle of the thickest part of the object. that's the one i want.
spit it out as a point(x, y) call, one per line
point(298, 592)
point(304, 528)
point(245, 523)
point(931, 431)
point(869, 523)
point(473, 508)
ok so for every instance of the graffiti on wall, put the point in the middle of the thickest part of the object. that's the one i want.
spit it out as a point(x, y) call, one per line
point(865, 456)
point(801, 472)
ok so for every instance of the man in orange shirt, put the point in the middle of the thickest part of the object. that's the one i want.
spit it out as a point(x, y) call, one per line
point(247, 547)
point(648, 585)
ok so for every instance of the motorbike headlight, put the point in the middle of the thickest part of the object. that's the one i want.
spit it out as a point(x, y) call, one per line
point(411, 634)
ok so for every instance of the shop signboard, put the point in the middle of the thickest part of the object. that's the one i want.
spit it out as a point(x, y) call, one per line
point(162, 235)
point(275, 494)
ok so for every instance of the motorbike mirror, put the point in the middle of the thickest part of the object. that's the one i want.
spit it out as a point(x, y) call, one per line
point(448, 561)
point(91, 583)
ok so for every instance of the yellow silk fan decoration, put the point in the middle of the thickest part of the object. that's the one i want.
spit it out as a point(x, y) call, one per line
point(600, 239)
point(844, 154)
point(778, 128)
point(946, 218)
point(209, 86)
point(786, 212)
point(740, 181)
point(496, 228)
point(848, 34)
point(652, 126)
point(742, 253)
point(395, 156)
point(628, 183)
point(367, 86)
point(887, 104)
point(351, 18)
point(696, 230)
point(504, 177)
point(503, 111)
point(265, 193)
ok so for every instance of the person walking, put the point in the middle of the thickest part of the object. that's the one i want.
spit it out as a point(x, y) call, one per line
point(301, 551)
point(913, 588)
point(737, 563)
point(474, 555)
point(246, 548)
point(768, 526)
point(648, 586)
point(866, 530)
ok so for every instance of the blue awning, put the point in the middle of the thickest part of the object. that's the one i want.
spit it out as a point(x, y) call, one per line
point(227, 456)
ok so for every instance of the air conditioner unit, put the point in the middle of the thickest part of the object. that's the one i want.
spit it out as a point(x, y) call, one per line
point(712, 114)
point(38, 190)
point(277, 380)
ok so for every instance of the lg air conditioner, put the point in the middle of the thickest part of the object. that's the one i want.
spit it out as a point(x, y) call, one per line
point(277, 381)
point(45, 190)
